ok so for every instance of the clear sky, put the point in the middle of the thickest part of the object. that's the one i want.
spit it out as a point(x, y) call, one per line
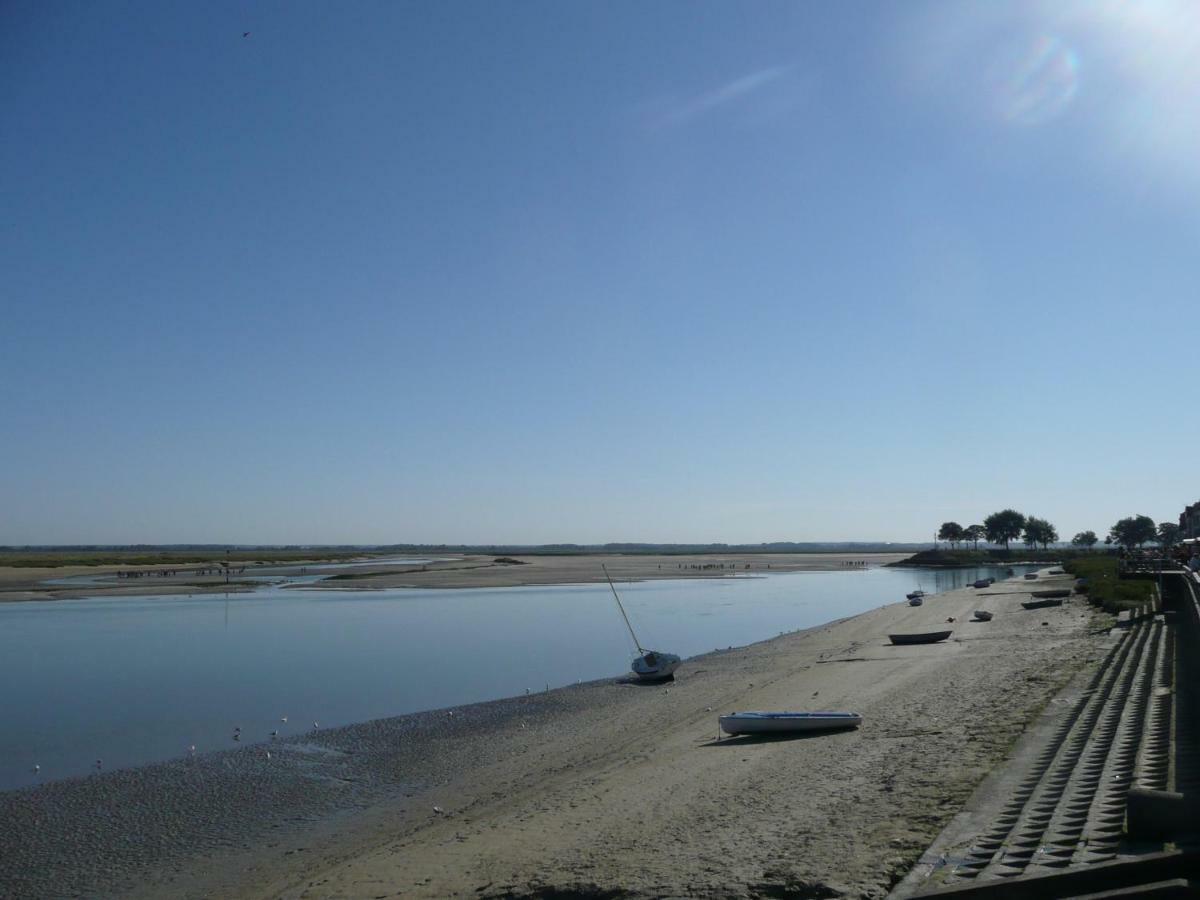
point(619, 271)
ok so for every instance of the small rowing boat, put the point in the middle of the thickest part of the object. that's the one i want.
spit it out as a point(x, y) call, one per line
point(982, 615)
point(1056, 593)
point(915, 594)
point(915, 601)
point(787, 722)
point(1041, 604)
point(924, 637)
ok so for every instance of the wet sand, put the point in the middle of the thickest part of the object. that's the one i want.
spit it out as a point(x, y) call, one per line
point(605, 789)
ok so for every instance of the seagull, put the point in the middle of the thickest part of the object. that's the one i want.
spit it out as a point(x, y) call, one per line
point(99, 763)
point(316, 724)
point(283, 719)
point(268, 754)
point(237, 737)
point(36, 769)
point(192, 749)
point(245, 34)
point(275, 733)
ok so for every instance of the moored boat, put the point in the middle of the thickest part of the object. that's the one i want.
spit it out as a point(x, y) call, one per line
point(785, 722)
point(915, 601)
point(924, 637)
point(650, 665)
point(982, 583)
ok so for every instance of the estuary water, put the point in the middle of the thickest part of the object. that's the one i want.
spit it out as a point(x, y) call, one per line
point(130, 680)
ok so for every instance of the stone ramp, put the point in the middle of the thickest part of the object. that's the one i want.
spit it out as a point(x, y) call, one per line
point(1060, 805)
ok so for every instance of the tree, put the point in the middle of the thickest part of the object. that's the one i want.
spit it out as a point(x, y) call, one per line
point(1004, 526)
point(950, 531)
point(1039, 531)
point(974, 534)
point(1049, 535)
point(1168, 534)
point(1033, 532)
point(1085, 539)
point(1133, 531)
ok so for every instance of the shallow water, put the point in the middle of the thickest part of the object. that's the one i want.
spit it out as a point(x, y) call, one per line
point(131, 680)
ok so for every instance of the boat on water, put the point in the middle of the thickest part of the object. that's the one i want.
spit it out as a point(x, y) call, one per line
point(650, 665)
point(787, 722)
point(1044, 602)
point(982, 615)
point(923, 637)
point(915, 601)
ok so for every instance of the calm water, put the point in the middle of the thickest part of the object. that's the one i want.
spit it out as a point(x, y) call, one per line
point(135, 679)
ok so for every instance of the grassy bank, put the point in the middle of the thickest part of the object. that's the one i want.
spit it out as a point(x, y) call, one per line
point(1105, 588)
point(992, 557)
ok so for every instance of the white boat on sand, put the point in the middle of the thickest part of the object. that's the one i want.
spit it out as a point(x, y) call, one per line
point(787, 722)
point(650, 665)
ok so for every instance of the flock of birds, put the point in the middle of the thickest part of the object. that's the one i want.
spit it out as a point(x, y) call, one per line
point(237, 736)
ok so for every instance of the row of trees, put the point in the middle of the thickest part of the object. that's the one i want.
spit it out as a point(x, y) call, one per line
point(1001, 528)
point(1137, 530)
point(1009, 525)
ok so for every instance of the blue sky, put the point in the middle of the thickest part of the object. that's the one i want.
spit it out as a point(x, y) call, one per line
point(533, 272)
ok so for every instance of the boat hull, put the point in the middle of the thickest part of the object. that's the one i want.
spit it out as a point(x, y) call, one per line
point(1040, 604)
point(927, 637)
point(787, 722)
point(655, 666)
point(982, 615)
point(1047, 595)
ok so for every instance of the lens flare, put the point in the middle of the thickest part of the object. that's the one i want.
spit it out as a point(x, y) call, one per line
point(1037, 81)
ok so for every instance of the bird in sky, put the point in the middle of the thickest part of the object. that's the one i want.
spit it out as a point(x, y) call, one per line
point(245, 34)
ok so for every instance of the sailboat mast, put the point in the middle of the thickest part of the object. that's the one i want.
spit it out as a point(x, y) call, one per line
point(636, 642)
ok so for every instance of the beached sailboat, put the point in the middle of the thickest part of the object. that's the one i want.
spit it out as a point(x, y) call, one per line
point(650, 665)
point(785, 722)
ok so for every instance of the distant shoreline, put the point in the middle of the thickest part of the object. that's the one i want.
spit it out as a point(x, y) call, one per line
point(479, 571)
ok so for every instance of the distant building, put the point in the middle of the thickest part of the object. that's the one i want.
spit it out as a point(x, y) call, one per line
point(1189, 521)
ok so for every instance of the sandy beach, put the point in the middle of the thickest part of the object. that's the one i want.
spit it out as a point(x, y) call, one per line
point(606, 789)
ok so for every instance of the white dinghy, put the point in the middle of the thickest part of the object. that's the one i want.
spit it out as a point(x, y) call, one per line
point(787, 722)
point(650, 665)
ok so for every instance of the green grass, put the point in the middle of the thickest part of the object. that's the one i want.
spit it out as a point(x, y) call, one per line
point(1105, 588)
